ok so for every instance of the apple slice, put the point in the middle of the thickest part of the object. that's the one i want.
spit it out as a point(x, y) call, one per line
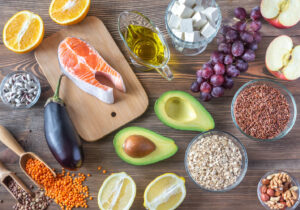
point(282, 60)
point(281, 13)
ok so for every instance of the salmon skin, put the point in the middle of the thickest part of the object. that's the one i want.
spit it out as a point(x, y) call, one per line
point(80, 62)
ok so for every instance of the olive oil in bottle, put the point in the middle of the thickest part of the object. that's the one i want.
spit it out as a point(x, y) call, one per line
point(146, 44)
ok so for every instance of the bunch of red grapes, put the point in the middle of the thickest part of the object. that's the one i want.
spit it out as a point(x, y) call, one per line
point(236, 47)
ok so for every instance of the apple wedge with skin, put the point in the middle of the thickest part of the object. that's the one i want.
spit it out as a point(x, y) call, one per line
point(281, 13)
point(282, 59)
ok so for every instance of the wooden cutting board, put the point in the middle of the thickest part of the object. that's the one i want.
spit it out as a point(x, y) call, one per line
point(92, 118)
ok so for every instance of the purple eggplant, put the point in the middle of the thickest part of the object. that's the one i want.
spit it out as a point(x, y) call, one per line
point(60, 133)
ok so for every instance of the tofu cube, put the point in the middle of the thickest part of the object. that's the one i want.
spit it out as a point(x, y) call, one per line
point(186, 25)
point(178, 33)
point(212, 14)
point(192, 36)
point(174, 21)
point(199, 20)
point(208, 30)
point(189, 3)
point(181, 10)
point(198, 8)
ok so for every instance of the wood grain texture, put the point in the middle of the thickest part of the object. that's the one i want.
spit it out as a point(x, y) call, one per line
point(27, 125)
point(91, 117)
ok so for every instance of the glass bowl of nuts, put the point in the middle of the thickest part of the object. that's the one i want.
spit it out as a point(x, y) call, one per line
point(20, 89)
point(278, 190)
point(264, 110)
point(216, 161)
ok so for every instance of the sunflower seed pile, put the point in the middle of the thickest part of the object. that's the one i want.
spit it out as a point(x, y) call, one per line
point(20, 89)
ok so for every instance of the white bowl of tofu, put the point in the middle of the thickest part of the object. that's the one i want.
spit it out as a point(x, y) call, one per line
point(192, 24)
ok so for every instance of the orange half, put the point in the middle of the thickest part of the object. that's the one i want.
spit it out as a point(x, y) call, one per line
point(23, 32)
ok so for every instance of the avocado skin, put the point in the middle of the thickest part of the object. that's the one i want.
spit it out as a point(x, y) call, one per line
point(203, 116)
point(167, 146)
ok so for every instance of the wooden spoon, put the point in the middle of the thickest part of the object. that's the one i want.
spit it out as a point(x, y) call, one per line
point(7, 139)
point(5, 175)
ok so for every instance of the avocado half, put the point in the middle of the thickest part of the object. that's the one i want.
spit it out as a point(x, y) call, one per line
point(164, 147)
point(182, 111)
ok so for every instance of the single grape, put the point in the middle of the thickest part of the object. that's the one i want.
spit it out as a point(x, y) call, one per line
point(217, 92)
point(240, 13)
point(208, 65)
point(240, 26)
point(224, 29)
point(246, 37)
point(255, 25)
point(216, 57)
point(237, 48)
point(241, 65)
point(228, 82)
point(205, 87)
point(249, 55)
point(207, 73)
point(205, 96)
point(231, 35)
point(224, 47)
point(232, 71)
point(221, 39)
point(199, 73)
point(255, 13)
point(216, 80)
point(200, 80)
point(219, 68)
point(257, 36)
point(253, 46)
point(228, 59)
point(195, 87)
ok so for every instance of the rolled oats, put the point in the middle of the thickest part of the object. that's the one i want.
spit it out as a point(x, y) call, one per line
point(214, 162)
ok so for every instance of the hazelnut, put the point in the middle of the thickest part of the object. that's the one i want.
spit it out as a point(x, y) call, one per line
point(270, 192)
point(265, 181)
point(263, 189)
point(264, 197)
point(277, 193)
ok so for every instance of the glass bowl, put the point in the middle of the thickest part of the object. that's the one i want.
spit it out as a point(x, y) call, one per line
point(236, 142)
point(192, 48)
point(283, 90)
point(7, 77)
point(294, 182)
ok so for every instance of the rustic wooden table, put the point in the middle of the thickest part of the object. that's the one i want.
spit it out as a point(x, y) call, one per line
point(27, 125)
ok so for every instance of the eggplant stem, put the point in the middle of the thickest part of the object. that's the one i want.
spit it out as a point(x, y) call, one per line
point(55, 98)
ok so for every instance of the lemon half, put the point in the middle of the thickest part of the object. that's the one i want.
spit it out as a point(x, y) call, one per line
point(166, 192)
point(117, 192)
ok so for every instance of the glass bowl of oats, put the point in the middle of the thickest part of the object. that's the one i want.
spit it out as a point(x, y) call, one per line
point(278, 189)
point(216, 161)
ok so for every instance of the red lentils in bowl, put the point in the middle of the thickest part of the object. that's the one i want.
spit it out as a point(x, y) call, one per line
point(263, 110)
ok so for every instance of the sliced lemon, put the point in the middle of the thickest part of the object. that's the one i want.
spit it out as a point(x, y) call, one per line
point(165, 192)
point(68, 12)
point(23, 32)
point(117, 192)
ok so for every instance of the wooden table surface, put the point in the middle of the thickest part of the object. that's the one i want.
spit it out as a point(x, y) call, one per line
point(27, 125)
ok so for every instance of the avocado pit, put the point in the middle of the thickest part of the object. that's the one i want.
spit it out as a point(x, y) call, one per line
point(138, 146)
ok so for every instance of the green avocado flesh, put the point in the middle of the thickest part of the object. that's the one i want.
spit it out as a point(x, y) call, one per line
point(182, 111)
point(164, 147)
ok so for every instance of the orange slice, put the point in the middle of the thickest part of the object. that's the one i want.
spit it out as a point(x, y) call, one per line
point(68, 12)
point(23, 32)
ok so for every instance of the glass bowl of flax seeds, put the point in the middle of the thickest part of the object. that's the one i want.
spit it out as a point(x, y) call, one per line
point(264, 110)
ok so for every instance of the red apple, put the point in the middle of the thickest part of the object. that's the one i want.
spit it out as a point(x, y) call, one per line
point(283, 59)
point(281, 13)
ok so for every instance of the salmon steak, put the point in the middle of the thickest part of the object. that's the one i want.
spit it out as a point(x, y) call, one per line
point(80, 62)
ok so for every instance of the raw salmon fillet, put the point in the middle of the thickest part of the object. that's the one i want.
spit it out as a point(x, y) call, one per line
point(80, 62)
